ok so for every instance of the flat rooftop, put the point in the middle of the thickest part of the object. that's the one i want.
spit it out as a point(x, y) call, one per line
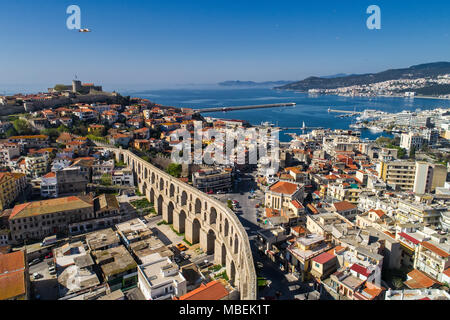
point(161, 271)
point(114, 260)
point(103, 238)
point(67, 254)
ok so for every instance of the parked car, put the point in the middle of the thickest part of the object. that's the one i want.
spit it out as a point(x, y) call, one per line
point(182, 247)
point(37, 275)
point(35, 261)
point(50, 255)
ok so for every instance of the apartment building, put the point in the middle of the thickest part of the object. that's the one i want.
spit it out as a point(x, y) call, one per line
point(399, 174)
point(409, 211)
point(212, 179)
point(27, 142)
point(39, 219)
point(432, 258)
point(344, 192)
point(71, 180)
point(161, 279)
point(352, 284)
point(106, 214)
point(35, 166)
point(299, 255)
point(100, 168)
point(280, 194)
point(123, 177)
point(411, 140)
point(428, 177)
point(11, 186)
point(323, 265)
point(8, 151)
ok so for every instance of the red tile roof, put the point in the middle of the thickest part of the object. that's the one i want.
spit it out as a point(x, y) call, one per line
point(297, 204)
point(12, 262)
point(360, 269)
point(419, 280)
point(324, 258)
point(270, 213)
point(379, 213)
point(214, 290)
point(12, 285)
point(435, 249)
point(409, 238)
point(447, 272)
point(344, 206)
point(284, 187)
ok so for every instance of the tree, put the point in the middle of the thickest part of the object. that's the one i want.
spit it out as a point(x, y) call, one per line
point(401, 153)
point(62, 128)
point(60, 87)
point(11, 132)
point(174, 170)
point(106, 180)
point(51, 132)
point(397, 283)
point(383, 141)
point(22, 127)
point(412, 153)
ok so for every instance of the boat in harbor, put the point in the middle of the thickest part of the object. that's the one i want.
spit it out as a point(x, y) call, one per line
point(267, 124)
point(375, 129)
point(357, 126)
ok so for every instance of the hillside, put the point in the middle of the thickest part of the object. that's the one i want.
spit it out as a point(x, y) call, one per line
point(414, 72)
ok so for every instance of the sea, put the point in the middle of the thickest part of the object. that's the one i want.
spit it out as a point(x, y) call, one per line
point(310, 109)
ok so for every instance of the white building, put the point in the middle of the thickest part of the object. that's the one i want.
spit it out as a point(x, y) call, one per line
point(49, 186)
point(411, 140)
point(161, 280)
point(123, 177)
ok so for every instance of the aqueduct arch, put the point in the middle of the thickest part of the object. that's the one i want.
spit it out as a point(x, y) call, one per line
point(202, 219)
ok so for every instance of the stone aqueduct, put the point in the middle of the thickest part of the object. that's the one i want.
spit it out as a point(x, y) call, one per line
point(203, 219)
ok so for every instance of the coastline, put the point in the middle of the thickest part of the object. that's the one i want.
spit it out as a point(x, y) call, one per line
point(377, 96)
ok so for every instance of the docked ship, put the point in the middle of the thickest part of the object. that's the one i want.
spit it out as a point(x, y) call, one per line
point(357, 126)
point(375, 129)
point(267, 124)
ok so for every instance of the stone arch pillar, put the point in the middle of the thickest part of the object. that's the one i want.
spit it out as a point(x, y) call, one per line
point(189, 229)
point(218, 250)
point(203, 239)
point(179, 221)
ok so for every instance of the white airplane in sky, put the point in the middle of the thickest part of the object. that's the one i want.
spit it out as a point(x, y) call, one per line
point(84, 30)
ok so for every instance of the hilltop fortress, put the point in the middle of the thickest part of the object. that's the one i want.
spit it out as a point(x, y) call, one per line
point(55, 97)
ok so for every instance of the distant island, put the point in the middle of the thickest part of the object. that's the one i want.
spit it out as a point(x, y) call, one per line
point(432, 79)
point(237, 83)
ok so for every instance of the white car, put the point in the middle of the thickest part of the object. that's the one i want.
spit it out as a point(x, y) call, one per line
point(37, 275)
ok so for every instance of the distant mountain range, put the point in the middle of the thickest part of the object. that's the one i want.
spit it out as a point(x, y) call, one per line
point(338, 81)
point(237, 83)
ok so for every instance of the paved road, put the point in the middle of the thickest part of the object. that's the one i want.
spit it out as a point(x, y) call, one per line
point(46, 287)
point(247, 212)
point(280, 282)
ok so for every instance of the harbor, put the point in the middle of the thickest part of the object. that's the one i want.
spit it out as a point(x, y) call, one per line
point(228, 109)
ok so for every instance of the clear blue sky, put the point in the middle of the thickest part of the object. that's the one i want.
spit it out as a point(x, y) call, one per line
point(205, 41)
